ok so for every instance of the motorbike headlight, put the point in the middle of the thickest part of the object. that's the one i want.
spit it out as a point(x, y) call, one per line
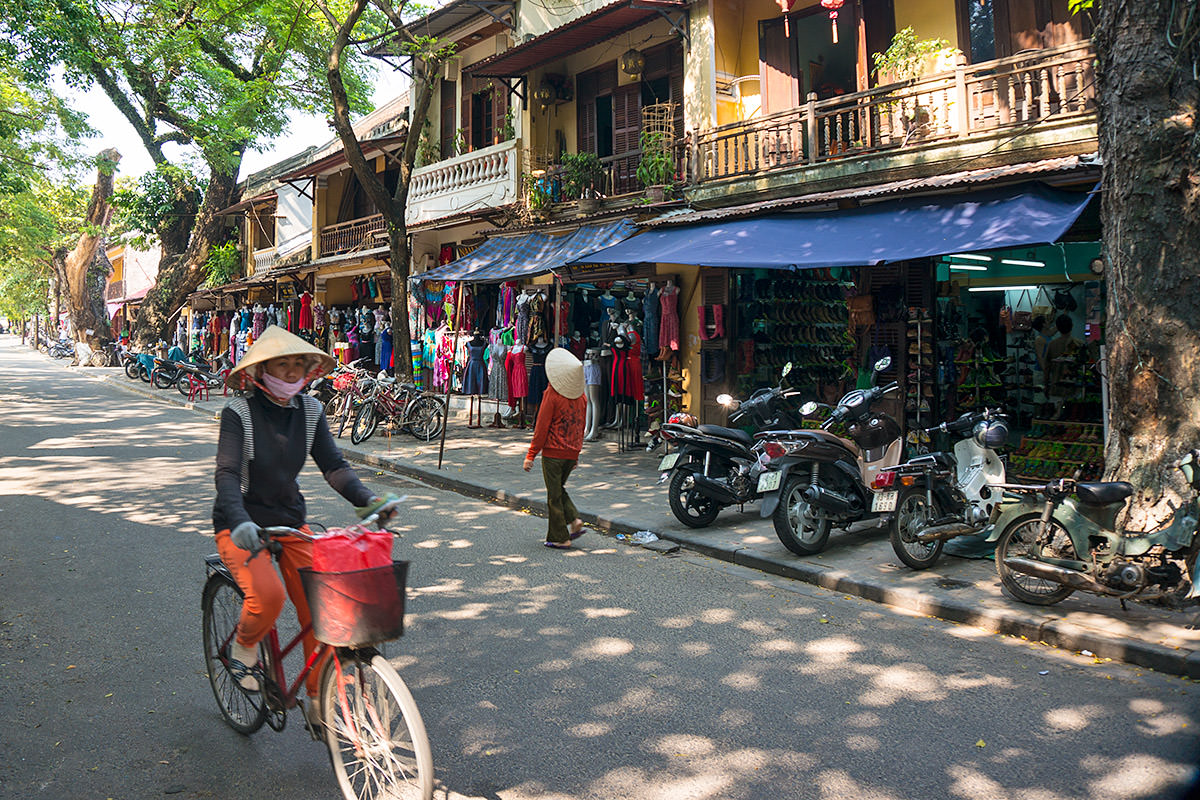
point(990, 434)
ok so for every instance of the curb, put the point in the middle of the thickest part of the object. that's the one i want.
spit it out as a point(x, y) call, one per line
point(1057, 633)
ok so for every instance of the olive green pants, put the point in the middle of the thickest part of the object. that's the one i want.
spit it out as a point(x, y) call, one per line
point(555, 472)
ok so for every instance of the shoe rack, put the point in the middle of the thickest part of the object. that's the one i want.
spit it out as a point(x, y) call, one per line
point(979, 384)
point(1019, 379)
point(920, 402)
point(1057, 448)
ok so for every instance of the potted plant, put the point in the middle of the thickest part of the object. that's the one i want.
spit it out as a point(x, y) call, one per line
point(656, 170)
point(907, 59)
point(538, 195)
point(581, 174)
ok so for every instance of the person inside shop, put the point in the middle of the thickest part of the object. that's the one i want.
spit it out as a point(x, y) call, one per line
point(1041, 340)
point(558, 436)
point(256, 488)
point(1059, 354)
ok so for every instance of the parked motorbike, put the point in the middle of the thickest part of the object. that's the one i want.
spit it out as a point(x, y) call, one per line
point(211, 374)
point(61, 348)
point(717, 467)
point(944, 495)
point(1046, 550)
point(167, 371)
point(814, 479)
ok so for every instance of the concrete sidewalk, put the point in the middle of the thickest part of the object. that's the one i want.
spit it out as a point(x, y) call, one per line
point(618, 493)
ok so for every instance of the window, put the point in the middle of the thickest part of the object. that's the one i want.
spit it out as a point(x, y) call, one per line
point(483, 125)
point(448, 115)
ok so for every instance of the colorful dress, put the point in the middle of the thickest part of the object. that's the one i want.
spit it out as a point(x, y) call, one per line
point(518, 380)
point(650, 312)
point(523, 318)
point(497, 376)
point(668, 332)
point(537, 317)
point(634, 382)
point(475, 377)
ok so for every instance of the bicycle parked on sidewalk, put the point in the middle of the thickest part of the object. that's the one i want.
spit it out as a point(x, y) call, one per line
point(368, 717)
point(400, 406)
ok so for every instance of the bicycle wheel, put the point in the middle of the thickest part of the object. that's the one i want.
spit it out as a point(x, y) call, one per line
point(345, 413)
point(374, 731)
point(365, 422)
point(425, 418)
point(221, 609)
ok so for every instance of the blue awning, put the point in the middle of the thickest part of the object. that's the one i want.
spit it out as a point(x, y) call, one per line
point(503, 257)
point(896, 230)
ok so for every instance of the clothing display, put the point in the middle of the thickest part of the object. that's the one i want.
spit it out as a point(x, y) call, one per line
point(518, 379)
point(668, 335)
point(537, 371)
point(650, 314)
point(475, 377)
point(497, 376)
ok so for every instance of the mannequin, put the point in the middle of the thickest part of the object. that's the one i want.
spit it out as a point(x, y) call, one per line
point(475, 377)
point(619, 387)
point(537, 373)
point(518, 382)
point(650, 312)
point(523, 317)
point(577, 345)
point(668, 331)
point(497, 377)
point(593, 385)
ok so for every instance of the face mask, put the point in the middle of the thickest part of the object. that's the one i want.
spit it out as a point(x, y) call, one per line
point(284, 390)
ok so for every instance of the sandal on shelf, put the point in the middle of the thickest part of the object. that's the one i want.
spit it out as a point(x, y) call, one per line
point(558, 545)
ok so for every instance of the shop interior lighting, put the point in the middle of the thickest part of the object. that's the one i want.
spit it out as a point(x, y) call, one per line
point(1016, 262)
point(968, 268)
point(1002, 289)
point(970, 256)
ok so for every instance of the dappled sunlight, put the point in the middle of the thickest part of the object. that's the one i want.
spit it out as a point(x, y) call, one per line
point(835, 784)
point(1134, 776)
point(899, 682)
point(606, 613)
point(862, 744)
point(1070, 719)
point(589, 730)
point(833, 650)
point(605, 647)
point(744, 681)
point(467, 611)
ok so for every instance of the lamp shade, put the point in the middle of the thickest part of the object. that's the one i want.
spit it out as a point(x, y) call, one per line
point(632, 62)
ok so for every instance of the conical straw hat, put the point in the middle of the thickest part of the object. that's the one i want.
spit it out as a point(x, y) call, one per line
point(274, 343)
point(565, 373)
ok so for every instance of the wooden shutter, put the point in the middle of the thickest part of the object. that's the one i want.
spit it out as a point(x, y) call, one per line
point(714, 290)
point(627, 118)
point(879, 20)
point(585, 110)
point(447, 117)
point(777, 66)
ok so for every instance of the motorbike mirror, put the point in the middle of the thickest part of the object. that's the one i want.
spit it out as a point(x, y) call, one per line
point(883, 363)
point(808, 408)
point(787, 368)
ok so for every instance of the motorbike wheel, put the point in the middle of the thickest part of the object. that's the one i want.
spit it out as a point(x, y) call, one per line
point(688, 505)
point(143, 373)
point(132, 369)
point(364, 423)
point(163, 379)
point(1017, 541)
point(801, 529)
point(184, 385)
point(913, 513)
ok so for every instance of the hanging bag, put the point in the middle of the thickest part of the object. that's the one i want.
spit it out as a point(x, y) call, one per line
point(1043, 306)
point(1022, 320)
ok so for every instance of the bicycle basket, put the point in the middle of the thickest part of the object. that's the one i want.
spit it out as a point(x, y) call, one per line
point(343, 382)
point(355, 609)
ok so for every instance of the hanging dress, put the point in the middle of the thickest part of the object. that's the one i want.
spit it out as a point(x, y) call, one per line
point(497, 375)
point(385, 349)
point(537, 317)
point(518, 380)
point(668, 332)
point(650, 312)
point(634, 381)
point(475, 378)
point(523, 319)
point(619, 377)
point(537, 371)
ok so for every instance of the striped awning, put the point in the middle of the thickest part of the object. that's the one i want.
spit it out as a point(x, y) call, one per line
point(502, 258)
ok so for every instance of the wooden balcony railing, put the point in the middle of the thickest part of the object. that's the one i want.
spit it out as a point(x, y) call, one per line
point(352, 236)
point(967, 102)
point(264, 259)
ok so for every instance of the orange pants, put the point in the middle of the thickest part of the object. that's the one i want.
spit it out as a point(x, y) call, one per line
point(265, 592)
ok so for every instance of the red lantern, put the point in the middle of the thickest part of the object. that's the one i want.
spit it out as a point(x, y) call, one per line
point(833, 6)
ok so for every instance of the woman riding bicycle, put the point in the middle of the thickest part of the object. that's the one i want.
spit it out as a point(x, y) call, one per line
point(257, 487)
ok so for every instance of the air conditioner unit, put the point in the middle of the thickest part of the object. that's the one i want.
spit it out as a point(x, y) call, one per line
point(451, 70)
point(502, 42)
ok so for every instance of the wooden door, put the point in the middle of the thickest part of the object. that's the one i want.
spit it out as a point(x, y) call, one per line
point(627, 130)
point(448, 118)
point(777, 69)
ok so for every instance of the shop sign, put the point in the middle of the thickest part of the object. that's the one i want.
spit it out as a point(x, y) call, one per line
point(285, 291)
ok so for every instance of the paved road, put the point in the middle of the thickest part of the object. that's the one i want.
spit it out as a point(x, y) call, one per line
point(606, 673)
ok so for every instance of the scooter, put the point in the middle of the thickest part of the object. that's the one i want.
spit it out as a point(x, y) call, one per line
point(193, 375)
point(1048, 549)
point(717, 467)
point(815, 479)
point(944, 495)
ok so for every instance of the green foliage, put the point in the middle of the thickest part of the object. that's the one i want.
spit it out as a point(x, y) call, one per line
point(145, 203)
point(539, 193)
point(581, 172)
point(1075, 6)
point(657, 166)
point(428, 151)
point(463, 141)
point(223, 265)
point(509, 131)
point(905, 58)
point(33, 224)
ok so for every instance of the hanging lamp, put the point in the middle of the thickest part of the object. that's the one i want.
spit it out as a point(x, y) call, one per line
point(833, 6)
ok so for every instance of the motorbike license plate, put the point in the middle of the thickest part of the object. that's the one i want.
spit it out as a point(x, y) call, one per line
point(668, 462)
point(884, 501)
point(769, 481)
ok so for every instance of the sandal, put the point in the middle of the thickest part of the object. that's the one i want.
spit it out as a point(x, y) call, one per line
point(248, 678)
point(558, 545)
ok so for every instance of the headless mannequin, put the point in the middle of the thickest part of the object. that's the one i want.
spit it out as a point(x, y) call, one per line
point(593, 387)
point(533, 407)
point(475, 402)
point(620, 411)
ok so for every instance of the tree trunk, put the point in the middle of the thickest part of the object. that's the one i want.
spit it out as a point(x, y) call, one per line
point(181, 272)
point(1151, 217)
point(77, 272)
point(399, 260)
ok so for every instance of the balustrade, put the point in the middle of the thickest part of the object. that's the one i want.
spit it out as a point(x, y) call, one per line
point(352, 235)
point(966, 102)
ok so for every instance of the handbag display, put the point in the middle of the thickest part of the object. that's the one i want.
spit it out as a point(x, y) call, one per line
point(1022, 320)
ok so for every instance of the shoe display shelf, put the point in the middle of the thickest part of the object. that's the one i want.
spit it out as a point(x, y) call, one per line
point(1056, 449)
point(1021, 389)
point(979, 384)
point(920, 384)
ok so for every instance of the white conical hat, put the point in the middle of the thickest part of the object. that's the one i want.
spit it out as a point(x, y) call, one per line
point(565, 373)
point(275, 342)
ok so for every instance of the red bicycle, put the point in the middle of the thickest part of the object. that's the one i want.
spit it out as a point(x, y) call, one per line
point(368, 717)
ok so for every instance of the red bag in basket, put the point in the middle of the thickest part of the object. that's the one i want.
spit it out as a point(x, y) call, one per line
point(350, 549)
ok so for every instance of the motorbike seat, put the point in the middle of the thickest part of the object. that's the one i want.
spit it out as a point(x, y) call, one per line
point(1102, 493)
point(735, 434)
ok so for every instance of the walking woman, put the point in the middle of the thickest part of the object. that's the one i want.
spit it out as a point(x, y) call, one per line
point(558, 436)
